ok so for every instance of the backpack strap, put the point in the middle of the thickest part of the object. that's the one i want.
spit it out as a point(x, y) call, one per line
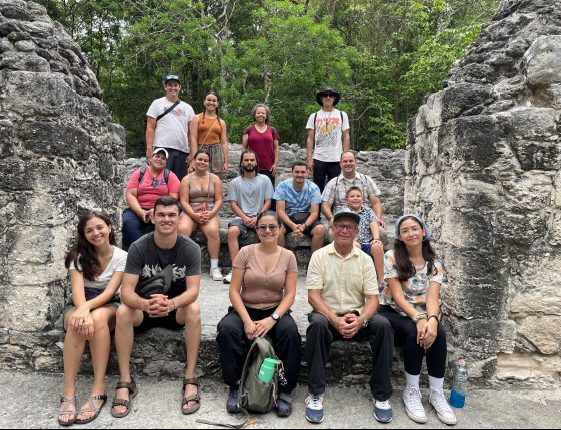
point(143, 171)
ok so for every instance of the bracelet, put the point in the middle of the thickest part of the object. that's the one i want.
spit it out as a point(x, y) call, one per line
point(306, 225)
point(173, 305)
point(418, 317)
point(364, 321)
point(435, 317)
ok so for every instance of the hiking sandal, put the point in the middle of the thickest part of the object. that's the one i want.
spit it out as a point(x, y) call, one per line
point(65, 411)
point(192, 398)
point(131, 386)
point(92, 408)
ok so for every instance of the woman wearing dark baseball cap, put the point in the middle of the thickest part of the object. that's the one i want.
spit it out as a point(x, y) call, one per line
point(328, 137)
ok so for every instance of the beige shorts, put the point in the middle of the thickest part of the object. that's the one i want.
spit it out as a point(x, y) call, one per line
point(216, 157)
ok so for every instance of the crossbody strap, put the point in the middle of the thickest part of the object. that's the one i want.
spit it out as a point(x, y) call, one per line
point(168, 110)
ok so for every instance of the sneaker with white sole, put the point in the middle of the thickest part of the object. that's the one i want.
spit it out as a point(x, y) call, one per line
point(443, 410)
point(413, 405)
point(228, 278)
point(216, 274)
point(314, 408)
point(382, 411)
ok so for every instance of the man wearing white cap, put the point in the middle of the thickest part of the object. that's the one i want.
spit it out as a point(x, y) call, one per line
point(167, 126)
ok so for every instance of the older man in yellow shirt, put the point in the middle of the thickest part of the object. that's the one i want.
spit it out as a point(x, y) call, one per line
point(343, 292)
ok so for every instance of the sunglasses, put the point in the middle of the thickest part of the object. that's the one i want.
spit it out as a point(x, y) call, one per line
point(330, 95)
point(263, 227)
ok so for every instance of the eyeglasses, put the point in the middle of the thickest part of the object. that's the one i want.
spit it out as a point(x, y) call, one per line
point(413, 230)
point(341, 227)
point(263, 227)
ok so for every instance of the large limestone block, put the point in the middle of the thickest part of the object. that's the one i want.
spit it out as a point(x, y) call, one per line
point(543, 61)
point(30, 308)
point(533, 369)
point(484, 336)
point(542, 332)
point(534, 122)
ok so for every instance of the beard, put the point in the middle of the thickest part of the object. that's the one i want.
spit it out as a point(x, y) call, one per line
point(249, 168)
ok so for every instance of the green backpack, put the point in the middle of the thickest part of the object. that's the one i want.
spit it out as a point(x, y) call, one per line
point(254, 394)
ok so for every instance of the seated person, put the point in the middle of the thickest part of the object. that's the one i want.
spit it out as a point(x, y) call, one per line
point(249, 194)
point(96, 269)
point(145, 186)
point(298, 200)
point(411, 303)
point(368, 238)
point(262, 290)
point(177, 309)
point(201, 198)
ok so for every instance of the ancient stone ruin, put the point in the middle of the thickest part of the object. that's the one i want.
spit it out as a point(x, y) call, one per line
point(60, 154)
point(484, 165)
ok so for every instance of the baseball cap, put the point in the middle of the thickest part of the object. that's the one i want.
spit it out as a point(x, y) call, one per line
point(160, 150)
point(345, 211)
point(172, 78)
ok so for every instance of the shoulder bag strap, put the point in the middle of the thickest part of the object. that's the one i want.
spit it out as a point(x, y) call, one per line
point(168, 110)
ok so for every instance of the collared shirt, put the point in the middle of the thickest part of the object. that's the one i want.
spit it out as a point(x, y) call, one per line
point(344, 281)
point(336, 189)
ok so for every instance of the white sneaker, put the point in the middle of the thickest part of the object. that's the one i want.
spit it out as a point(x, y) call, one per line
point(443, 410)
point(413, 405)
point(314, 408)
point(228, 278)
point(216, 274)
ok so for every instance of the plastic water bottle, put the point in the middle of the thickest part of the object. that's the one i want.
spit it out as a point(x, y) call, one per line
point(267, 369)
point(458, 392)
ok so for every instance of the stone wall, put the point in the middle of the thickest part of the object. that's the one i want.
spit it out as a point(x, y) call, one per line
point(483, 165)
point(61, 154)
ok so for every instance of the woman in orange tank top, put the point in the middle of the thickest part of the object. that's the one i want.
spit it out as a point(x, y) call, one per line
point(207, 131)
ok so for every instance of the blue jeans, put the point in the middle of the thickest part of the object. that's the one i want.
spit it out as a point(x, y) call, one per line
point(134, 228)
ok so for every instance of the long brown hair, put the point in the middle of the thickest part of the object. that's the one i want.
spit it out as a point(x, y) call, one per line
point(405, 268)
point(82, 253)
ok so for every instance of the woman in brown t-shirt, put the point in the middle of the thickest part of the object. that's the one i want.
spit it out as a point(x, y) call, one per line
point(262, 290)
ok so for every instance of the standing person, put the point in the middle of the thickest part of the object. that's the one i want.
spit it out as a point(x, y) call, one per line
point(334, 195)
point(96, 269)
point(201, 195)
point(145, 186)
point(249, 194)
point(343, 293)
point(167, 126)
point(328, 137)
point(208, 132)
point(262, 291)
point(177, 309)
point(264, 140)
point(298, 201)
point(411, 303)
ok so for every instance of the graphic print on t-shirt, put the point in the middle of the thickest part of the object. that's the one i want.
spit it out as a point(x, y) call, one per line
point(326, 131)
point(148, 271)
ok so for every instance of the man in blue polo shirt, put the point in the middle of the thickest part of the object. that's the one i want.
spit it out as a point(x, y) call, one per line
point(298, 200)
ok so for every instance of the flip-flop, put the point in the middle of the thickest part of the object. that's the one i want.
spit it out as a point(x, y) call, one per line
point(92, 408)
point(192, 398)
point(131, 386)
point(65, 411)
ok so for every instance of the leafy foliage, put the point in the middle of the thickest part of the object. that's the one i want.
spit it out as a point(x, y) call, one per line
point(384, 56)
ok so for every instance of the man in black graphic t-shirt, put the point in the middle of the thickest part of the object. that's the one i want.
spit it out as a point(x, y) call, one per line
point(175, 310)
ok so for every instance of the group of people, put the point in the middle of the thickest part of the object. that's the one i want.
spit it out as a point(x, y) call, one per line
point(355, 290)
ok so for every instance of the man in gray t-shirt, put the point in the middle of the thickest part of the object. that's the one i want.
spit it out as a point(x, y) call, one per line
point(248, 194)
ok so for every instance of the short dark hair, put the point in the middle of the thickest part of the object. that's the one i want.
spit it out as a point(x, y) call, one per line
point(298, 163)
point(167, 201)
point(267, 213)
point(347, 152)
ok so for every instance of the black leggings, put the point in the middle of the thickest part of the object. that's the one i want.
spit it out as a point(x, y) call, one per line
point(405, 334)
point(323, 169)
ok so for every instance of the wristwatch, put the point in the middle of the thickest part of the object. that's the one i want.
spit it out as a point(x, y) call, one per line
point(275, 316)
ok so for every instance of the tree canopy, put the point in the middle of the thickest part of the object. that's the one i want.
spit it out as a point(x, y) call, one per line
point(384, 56)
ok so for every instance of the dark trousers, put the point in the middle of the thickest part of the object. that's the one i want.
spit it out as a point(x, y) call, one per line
point(321, 334)
point(176, 162)
point(405, 333)
point(272, 178)
point(233, 346)
point(134, 228)
point(331, 169)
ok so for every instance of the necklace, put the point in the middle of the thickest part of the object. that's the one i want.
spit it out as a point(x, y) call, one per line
point(419, 267)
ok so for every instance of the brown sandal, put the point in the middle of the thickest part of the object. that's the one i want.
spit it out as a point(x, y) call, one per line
point(192, 398)
point(131, 386)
